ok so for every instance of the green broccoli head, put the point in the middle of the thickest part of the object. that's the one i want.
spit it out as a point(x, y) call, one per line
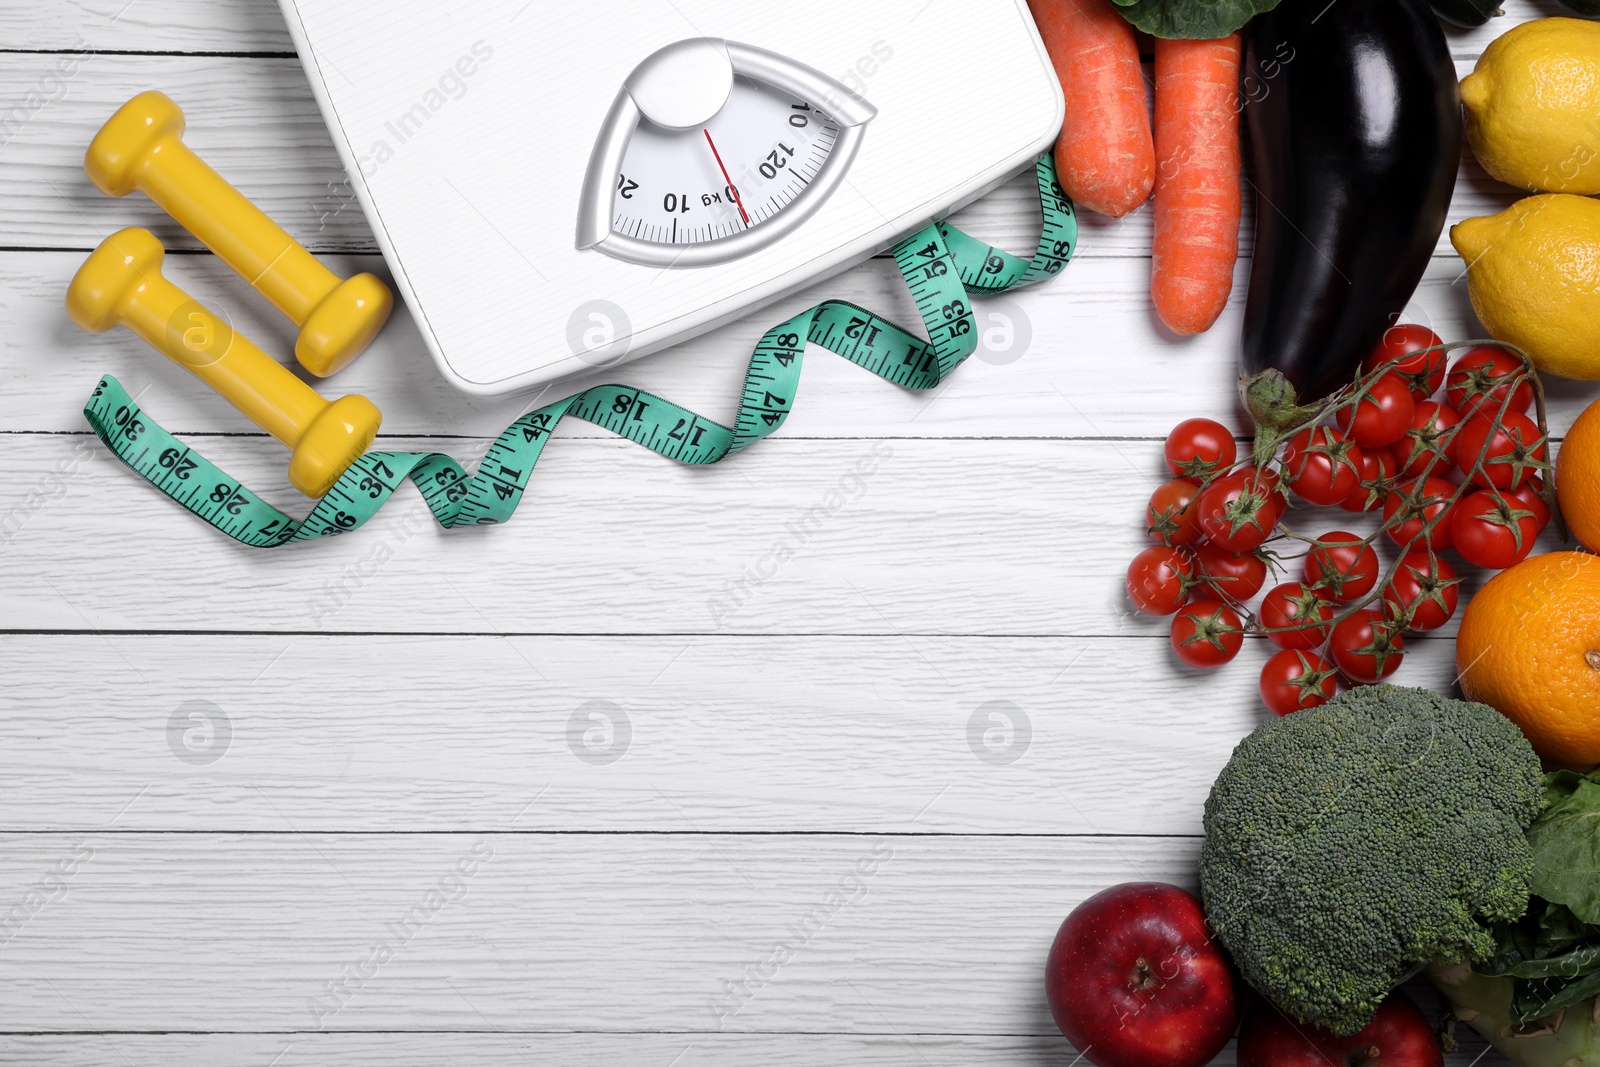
point(1347, 845)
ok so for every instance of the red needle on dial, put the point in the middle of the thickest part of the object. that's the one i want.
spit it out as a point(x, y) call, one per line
point(718, 156)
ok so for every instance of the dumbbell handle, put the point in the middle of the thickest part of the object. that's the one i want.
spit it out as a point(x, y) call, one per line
point(121, 284)
point(141, 147)
point(183, 330)
point(208, 206)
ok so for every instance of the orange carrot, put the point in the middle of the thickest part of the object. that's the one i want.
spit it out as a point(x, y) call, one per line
point(1105, 158)
point(1197, 181)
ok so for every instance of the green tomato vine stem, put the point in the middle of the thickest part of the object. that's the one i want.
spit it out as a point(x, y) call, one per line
point(1277, 414)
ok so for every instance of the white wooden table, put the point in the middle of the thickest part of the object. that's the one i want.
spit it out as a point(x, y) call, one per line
point(523, 794)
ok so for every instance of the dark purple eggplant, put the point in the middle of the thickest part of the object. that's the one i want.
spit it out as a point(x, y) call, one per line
point(1355, 133)
point(1466, 12)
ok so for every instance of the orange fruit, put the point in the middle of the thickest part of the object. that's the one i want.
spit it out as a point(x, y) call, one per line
point(1529, 646)
point(1578, 477)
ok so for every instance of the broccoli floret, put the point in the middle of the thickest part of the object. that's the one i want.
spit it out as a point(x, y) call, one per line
point(1348, 845)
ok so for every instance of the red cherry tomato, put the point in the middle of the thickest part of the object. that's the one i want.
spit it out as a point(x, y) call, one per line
point(1417, 504)
point(1378, 470)
point(1511, 451)
point(1382, 416)
point(1484, 376)
point(1425, 587)
point(1296, 616)
point(1170, 517)
point(1207, 633)
point(1158, 580)
point(1235, 576)
point(1342, 564)
point(1198, 448)
point(1365, 647)
point(1238, 511)
point(1427, 446)
point(1294, 679)
point(1530, 497)
point(1421, 371)
point(1491, 531)
point(1322, 465)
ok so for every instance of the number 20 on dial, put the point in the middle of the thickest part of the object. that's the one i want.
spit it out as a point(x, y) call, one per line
point(712, 150)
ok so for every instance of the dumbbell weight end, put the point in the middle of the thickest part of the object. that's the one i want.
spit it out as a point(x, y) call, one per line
point(121, 284)
point(341, 327)
point(334, 440)
point(141, 147)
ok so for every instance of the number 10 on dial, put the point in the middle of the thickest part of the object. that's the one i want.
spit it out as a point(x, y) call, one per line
point(713, 150)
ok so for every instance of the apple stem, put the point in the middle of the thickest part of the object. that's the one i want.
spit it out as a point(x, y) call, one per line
point(1365, 1056)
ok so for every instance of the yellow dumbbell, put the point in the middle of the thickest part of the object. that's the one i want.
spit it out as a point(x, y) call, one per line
point(141, 147)
point(121, 284)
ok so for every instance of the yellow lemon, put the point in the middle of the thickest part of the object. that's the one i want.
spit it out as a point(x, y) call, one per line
point(1533, 106)
point(1533, 272)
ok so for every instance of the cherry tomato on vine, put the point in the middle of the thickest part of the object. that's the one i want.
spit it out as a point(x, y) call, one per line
point(1158, 580)
point(1295, 679)
point(1238, 511)
point(1235, 576)
point(1343, 564)
point(1428, 444)
point(1207, 633)
point(1492, 531)
point(1197, 448)
point(1417, 504)
point(1382, 416)
point(1483, 376)
point(1421, 371)
point(1425, 587)
point(1530, 496)
point(1170, 517)
point(1322, 465)
point(1296, 616)
point(1378, 471)
point(1511, 451)
point(1365, 647)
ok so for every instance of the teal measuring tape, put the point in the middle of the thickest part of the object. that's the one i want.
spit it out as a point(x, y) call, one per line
point(941, 265)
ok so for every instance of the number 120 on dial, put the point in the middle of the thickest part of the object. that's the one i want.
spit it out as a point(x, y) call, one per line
point(712, 150)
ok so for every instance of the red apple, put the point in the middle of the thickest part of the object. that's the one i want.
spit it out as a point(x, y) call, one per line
point(1398, 1036)
point(1135, 979)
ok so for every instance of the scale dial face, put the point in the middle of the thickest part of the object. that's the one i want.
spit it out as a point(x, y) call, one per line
point(713, 150)
point(742, 169)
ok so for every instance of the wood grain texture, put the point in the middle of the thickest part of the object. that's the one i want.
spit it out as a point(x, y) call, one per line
point(147, 26)
point(407, 680)
point(255, 121)
point(765, 734)
point(556, 931)
point(1079, 357)
point(988, 537)
point(693, 936)
point(517, 1049)
point(256, 25)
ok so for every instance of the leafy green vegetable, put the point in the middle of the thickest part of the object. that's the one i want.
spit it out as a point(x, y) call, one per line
point(1541, 998)
point(1553, 952)
point(1202, 19)
point(1566, 844)
point(1548, 942)
point(1559, 929)
point(1567, 1039)
point(1575, 964)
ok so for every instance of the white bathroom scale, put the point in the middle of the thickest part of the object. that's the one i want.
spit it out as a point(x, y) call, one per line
point(564, 184)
